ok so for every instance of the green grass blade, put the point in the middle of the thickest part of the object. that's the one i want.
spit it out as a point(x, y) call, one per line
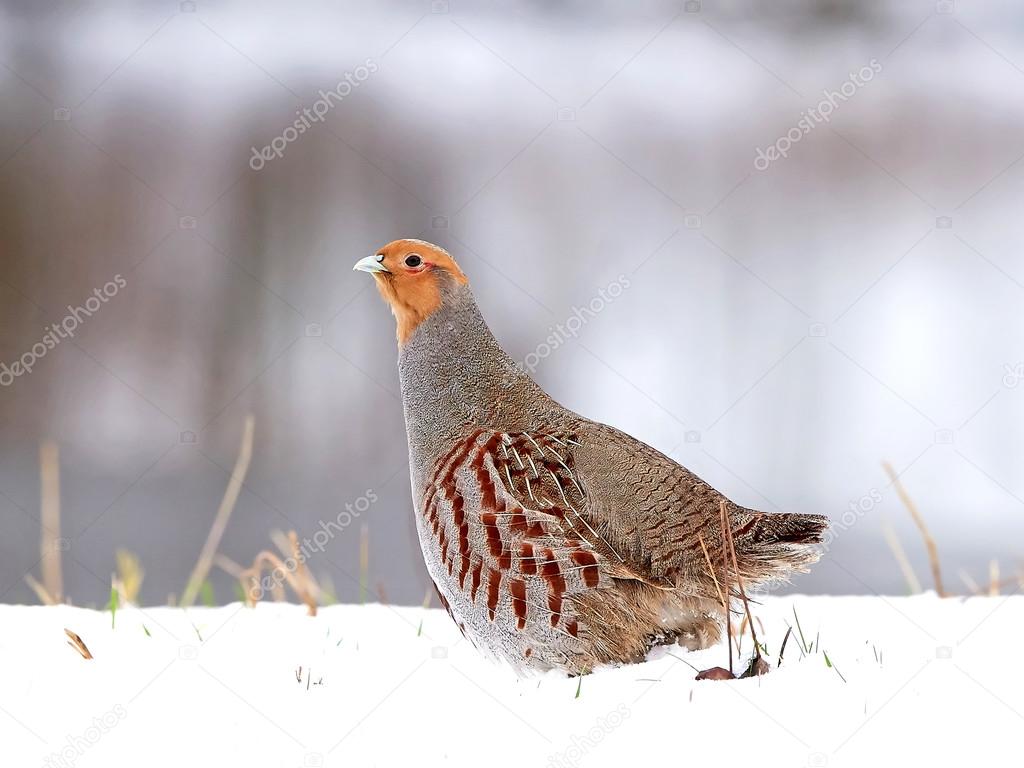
point(799, 629)
point(112, 605)
point(830, 665)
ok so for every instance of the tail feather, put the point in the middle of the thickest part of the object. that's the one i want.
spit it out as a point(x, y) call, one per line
point(770, 547)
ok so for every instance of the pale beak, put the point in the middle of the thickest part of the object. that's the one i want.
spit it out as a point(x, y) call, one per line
point(371, 264)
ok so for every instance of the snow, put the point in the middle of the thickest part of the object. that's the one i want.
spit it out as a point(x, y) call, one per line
point(927, 681)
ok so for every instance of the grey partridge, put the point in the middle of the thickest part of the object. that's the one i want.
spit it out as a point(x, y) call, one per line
point(554, 541)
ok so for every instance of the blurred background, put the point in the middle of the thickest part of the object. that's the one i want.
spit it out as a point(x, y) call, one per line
point(780, 327)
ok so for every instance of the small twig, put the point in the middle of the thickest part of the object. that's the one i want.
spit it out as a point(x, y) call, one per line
point(933, 552)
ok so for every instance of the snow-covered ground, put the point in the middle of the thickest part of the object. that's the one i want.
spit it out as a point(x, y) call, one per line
point(913, 681)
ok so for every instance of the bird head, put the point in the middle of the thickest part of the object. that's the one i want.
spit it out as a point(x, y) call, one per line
point(413, 277)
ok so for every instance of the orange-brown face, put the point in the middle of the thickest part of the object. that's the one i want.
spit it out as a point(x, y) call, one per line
point(408, 274)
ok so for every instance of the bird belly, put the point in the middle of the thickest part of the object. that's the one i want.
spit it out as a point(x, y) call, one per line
point(483, 602)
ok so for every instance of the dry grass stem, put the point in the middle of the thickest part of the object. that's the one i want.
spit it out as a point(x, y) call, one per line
point(229, 566)
point(364, 561)
point(50, 541)
point(757, 665)
point(277, 593)
point(970, 583)
point(44, 597)
point(929, 542)
point(129, 576)
point(1010, 581)
point(302, 573)
point(300, 581)
point(282, 541)
point(721, 594)
point(711, 569)
point(220, 521)
point(992, 587)
point(724, 531)
point(913, 584)
point(785, 639)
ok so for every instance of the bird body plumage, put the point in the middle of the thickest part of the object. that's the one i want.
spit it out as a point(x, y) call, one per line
point(555, 541)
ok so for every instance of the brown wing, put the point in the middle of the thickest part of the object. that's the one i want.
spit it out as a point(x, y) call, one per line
point(661, 516)
point(636, 507)
point(645, 515)
point(655, 510)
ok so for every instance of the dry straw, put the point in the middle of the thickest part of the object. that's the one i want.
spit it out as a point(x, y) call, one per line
point(220, 522)
point(933, 551)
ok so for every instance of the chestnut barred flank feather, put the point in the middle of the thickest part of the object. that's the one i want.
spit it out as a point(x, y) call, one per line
point(555, 541)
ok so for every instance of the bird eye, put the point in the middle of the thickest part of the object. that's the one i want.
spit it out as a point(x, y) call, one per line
point(413, 261)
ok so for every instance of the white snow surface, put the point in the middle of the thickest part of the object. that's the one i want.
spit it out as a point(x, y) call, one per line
point(927, 682)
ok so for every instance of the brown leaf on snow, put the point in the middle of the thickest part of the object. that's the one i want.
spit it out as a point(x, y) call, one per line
point(77, 643)
point(716, 673)
point(757, 667)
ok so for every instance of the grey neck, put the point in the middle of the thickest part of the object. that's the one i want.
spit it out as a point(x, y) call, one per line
point(456, 377)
